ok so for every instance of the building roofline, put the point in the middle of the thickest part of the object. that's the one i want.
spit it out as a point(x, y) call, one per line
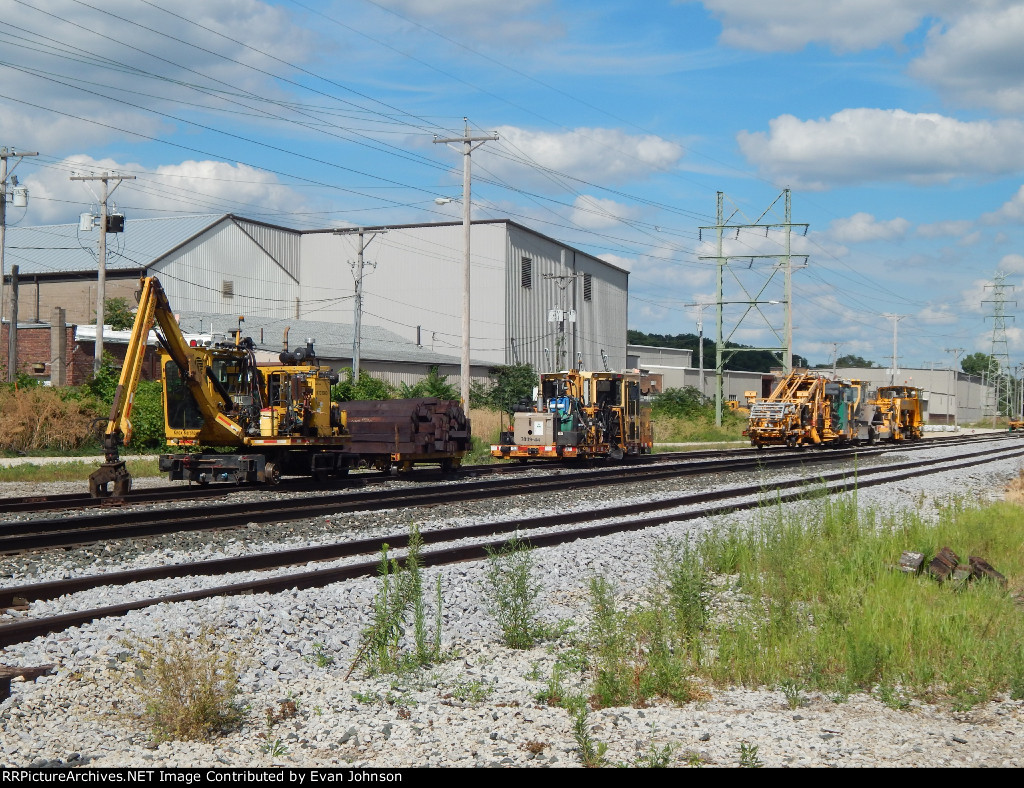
point(421, 225)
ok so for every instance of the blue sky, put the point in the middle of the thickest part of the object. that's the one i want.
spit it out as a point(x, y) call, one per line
point(897, 125)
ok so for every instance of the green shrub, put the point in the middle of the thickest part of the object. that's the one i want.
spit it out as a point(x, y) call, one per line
point(512, 593)
point(509, 384)
point(367, 387)
point(187, 687)
point(433, 385)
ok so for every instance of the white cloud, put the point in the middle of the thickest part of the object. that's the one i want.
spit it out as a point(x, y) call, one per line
point(844, 25)
point(863, 227)
point(940, 315)
point(864, 145)
point(978, 60)
point(191, 186)
point(74, 62)
point(1010, 212)
point(595, 154)
point(594, 213)
point(946, 229)
point(1011, 264)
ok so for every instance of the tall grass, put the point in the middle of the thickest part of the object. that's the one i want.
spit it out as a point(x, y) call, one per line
point(814, 601)
point(826, 605)
point(677, 429)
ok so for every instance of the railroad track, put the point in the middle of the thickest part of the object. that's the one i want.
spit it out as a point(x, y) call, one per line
point(64, 531)
point(183, 492)
point(364, 553)
point(120, 523)
point(186, 492)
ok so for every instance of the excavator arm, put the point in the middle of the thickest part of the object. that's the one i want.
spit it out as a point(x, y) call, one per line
point(154, 310)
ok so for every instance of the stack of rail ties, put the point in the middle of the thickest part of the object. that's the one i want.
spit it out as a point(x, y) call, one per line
point(409, 427)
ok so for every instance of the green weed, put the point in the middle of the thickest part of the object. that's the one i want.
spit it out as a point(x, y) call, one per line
point(512, 593)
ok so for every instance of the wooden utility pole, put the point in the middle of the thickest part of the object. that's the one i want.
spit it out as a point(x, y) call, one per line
point(468, 147)
point(101, 290)
point(357, 310)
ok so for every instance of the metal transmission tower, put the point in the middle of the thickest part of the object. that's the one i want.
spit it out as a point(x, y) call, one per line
point(999, 358)
point(754, 284)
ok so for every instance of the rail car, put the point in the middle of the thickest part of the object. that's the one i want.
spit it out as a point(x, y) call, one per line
point(808, 409)
point(264, 421)
point(897, 414)
point(579, 414)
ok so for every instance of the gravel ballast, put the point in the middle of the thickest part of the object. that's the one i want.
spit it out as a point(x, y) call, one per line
point(478, 708)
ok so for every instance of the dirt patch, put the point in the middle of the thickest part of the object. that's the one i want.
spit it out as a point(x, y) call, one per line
point(1015, 490)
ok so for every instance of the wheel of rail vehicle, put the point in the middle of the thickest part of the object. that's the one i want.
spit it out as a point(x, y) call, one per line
point(447, 465)
point(272, 473)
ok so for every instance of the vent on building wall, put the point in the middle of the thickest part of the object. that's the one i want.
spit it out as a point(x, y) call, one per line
point(526, 274)
point(588, 287)
point(227, 289)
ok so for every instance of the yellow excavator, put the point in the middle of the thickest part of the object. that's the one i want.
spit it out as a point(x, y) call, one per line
point(278, 417)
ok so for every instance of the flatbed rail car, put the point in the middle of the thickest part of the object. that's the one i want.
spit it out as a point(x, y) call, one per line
point(579, 414)
point(263, 420)
point(897, 415)
point(806, 409)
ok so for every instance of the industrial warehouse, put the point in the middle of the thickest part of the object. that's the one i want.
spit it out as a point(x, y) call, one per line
point(535, 300)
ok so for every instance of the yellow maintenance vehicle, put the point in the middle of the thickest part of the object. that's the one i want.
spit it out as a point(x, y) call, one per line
point(579, 413)
point(809, 409)
point(897, 413)
point(264, 420)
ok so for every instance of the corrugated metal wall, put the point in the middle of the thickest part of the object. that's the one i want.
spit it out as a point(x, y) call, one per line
point(284, 246)
point(194, 276)
point(413, 280)
point(557, 283)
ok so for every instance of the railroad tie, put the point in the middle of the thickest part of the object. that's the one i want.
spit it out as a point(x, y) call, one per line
point(8, 672)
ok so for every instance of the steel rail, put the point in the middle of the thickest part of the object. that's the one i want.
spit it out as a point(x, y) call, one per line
point(40, 503)
point(836, 482)
point(67, 531)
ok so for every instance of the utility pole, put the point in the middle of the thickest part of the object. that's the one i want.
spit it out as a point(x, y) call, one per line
point(700, 339)
point(357, 274)
point(468, 147)
point(20, 200)
point(895, 358)
point(101, 290)
point(560, 314)
point(753, 300)
point(956, 351)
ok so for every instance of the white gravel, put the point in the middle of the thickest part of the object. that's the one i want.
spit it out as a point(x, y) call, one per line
point(476, 709)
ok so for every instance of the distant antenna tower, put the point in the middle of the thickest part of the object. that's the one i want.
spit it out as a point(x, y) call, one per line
point(999, 358)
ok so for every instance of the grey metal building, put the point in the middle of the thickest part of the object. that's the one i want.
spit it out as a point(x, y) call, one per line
point(534, 299)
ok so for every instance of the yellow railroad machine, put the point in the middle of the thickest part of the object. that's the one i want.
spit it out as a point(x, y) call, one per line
point(808, 409)
point(897, 413)
point(276, 419)
point(579, 414)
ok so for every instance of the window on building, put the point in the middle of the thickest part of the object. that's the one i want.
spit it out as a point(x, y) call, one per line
point(588, 287)
point(526, 273)
point(227, 289)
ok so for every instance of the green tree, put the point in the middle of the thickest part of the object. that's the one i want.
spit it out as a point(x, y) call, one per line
point(117, 314)
point(978, 363)
point(433, 385)
point(851, 360)
point(509, 384)
point(739, 358)
point(367, 387)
